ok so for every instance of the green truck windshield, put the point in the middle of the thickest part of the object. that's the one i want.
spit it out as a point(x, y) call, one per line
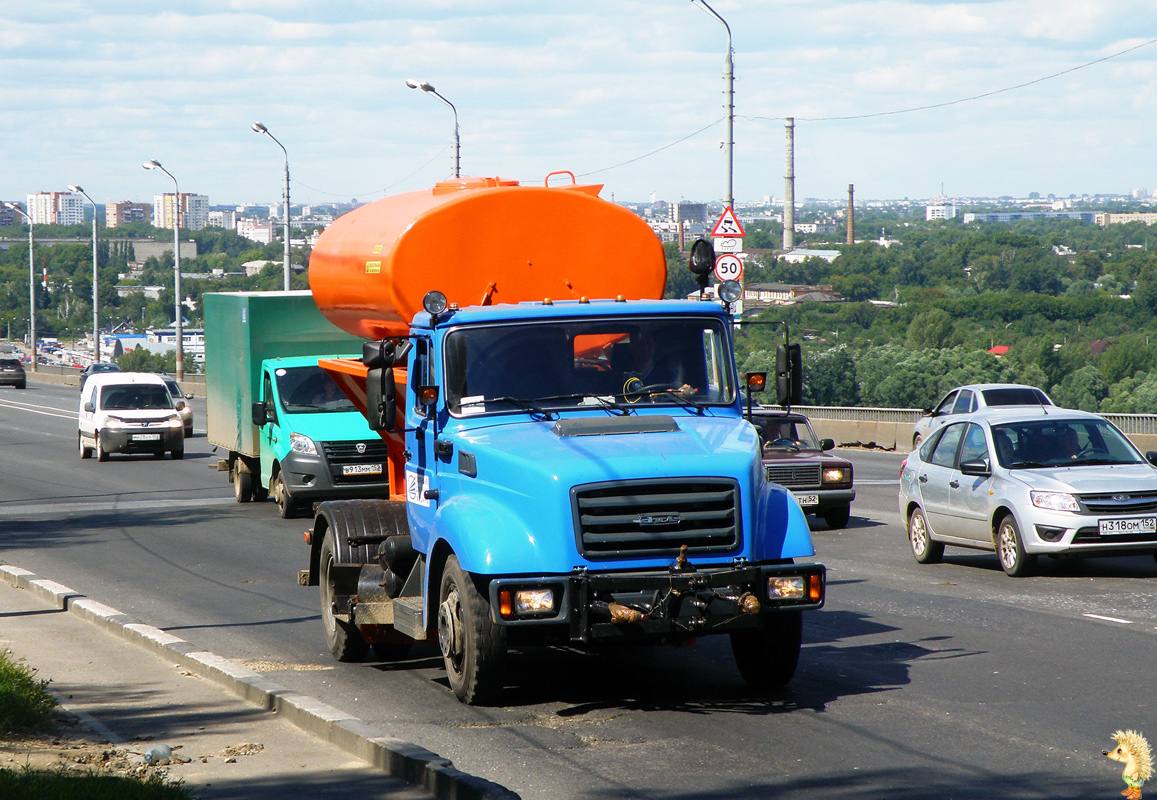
point(310, 390)
point(588, 362)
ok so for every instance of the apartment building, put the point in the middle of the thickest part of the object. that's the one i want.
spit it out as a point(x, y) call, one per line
point(117, 214)
point(191, 210)
point(55, 208)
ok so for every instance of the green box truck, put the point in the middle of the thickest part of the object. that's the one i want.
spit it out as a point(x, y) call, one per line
point(288, 431)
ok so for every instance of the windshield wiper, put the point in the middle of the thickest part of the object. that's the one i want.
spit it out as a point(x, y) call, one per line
point(526, 405)
point(1028, 465)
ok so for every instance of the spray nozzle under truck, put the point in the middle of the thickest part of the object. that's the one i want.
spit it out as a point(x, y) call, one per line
point(563, 470)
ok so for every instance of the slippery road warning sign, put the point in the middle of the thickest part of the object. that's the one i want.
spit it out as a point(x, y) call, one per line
point(728, 225)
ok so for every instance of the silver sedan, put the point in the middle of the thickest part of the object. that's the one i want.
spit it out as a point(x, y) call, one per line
point(1029, 481)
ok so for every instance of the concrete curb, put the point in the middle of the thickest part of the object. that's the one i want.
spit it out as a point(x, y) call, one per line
point(397, 758)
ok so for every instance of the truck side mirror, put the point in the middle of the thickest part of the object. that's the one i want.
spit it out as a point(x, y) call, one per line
point(702, 262)
point(89, 407)
point(788, 374)
point(386, 353)
point(381, 399)
point(258, 413)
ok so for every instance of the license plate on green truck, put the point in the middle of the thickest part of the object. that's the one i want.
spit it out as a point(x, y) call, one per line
point(361, 469)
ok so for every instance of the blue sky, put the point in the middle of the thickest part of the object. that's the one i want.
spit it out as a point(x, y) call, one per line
point(627, 93)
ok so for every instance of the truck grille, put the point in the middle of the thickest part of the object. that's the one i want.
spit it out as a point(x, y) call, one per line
point(794, 476)
point(340, 454)
point(655, 518)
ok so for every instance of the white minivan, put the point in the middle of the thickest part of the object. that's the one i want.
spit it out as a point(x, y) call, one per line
point(128, 412)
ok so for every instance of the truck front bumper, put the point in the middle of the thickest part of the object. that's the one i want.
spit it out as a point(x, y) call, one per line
point(658, 604)
point(312, 477)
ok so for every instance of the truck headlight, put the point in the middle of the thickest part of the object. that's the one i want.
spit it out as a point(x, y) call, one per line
point(1054, 501)
point(836, 475)
point(175, 422)
point(114, 424)
point(302, 444)
point(785, 588)
point(526, 602)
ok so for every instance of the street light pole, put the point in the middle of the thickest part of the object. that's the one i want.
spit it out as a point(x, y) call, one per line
point(729, 75)
point(95, 314)
point(154, 164)
point(426, 87)
point(31, 284)
point(259, 128)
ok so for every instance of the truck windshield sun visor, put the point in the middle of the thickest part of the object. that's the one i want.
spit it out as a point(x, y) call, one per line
point(609, 363)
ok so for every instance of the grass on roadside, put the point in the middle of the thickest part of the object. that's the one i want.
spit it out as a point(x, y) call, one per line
point(26, 708)
point(25, 704)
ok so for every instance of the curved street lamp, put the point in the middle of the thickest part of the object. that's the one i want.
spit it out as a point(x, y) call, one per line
point(31, 284)
point(154, 164)
point(259, 128)
point(95, 315)
point(426, 87)
point(729, 75)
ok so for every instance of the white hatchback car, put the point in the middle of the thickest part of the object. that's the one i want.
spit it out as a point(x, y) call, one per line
point(1027, 482)
point(128, 412)
point(973, 397)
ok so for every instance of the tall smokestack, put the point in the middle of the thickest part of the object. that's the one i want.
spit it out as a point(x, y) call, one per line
point(789, 187)
point(851, 213)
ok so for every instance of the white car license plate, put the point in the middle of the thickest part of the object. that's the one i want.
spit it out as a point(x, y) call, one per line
point(808, 499)
point(146, 437)
point(1115, 527)
point(361, 469)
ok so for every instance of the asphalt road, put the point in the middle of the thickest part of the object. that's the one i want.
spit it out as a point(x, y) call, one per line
point(950, 680)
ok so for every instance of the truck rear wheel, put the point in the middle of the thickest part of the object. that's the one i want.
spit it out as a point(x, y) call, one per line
point(473, 647)
point(242, 484)
point(767, 657)
point(344, 641)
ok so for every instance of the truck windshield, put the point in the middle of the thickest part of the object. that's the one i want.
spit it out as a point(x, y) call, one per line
point(310, 390)
point(590, 362)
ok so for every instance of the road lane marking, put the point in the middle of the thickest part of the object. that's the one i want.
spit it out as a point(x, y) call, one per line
point(877, 482)
point(48, 411)
point(1109, 619)
point(23, 509)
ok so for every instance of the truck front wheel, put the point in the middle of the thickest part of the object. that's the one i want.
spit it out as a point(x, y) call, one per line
point(342, 637)
point(286, 505)
point(767, 657)
point(473, 646)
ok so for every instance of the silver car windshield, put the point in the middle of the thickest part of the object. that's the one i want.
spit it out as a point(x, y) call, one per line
point(1052, 442)
point(597, 362)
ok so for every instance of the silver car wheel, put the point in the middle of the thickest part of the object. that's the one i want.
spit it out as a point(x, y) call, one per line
point(1010, 549)
point(924, 548)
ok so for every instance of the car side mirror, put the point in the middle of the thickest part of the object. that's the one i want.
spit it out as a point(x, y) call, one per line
point(89, 407)
point(179, 405)
point(827, 444)
point(1151, 457)
point(188, 395)
point(259, 414)
point(977, 468)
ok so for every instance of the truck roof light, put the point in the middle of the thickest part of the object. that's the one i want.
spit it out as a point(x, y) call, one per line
point(546, 301)
point(434, 302)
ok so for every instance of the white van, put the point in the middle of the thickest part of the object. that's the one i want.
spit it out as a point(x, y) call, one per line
point(128, 412)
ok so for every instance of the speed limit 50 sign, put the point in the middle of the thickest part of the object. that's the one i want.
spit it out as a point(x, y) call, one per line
point(728, 267)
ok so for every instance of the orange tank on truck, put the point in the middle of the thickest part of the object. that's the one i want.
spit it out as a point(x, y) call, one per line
point(569, 463)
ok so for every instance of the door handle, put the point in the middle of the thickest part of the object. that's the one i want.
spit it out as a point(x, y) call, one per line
point(923, 479)
point(955, 484)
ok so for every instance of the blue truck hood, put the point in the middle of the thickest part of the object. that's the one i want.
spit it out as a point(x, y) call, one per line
point(508, 515)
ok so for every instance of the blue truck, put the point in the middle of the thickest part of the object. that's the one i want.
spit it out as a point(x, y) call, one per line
point(563, 471)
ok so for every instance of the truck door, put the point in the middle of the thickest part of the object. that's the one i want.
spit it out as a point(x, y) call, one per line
point(422, 469)
point(267, 437)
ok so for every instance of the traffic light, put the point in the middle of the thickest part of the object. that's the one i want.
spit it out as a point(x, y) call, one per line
point(788, 374)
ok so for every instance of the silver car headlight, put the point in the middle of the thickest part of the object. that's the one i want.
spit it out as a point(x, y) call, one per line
point(302, 444)
point(1054, 501)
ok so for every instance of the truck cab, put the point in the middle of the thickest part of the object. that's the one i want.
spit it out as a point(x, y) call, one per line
point(314, 443)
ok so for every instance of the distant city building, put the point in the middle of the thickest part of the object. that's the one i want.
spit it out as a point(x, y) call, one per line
point(117, 214)
point(1104, 219)
point(689, 212)
point(803, 254)
point(223, 219)
point(192, 210)
point(823, 226)
point(9, 216)
point(940, 207)
point(1013, 216)
point(55, 208)
point(257, 230)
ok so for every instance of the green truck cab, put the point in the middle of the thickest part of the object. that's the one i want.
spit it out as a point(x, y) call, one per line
point(288, 432)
